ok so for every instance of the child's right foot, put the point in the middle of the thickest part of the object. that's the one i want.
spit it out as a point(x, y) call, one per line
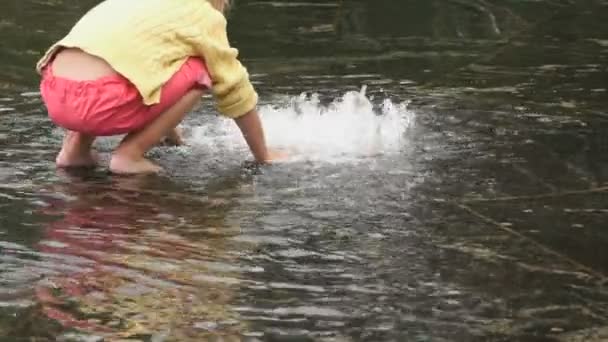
point(125, 165)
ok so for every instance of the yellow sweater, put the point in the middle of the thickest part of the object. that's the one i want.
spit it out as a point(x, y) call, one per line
point(147, 41)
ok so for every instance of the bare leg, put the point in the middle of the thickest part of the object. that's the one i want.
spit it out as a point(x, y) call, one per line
point(76, 151)
point(129, 156)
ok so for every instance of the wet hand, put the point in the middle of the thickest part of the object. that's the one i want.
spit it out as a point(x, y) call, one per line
point(276, 156)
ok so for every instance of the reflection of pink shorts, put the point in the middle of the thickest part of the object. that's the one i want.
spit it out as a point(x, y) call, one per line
point(112, 105)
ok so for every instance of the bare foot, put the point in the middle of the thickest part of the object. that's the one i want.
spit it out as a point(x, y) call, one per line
point(174, 138)
point(125, 165)
point(67, 158)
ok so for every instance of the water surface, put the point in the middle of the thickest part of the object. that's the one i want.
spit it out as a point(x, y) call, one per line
point(448, 183)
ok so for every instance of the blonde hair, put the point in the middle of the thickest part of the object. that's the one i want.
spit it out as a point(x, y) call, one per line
point(221, 5)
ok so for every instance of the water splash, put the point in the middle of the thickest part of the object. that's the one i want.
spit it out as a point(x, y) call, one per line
point(351, 127)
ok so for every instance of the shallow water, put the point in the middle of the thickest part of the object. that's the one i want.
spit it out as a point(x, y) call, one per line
point(447, 183)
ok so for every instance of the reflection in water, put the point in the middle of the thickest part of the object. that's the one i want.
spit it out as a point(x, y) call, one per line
point(440, 19)
point(124, 262)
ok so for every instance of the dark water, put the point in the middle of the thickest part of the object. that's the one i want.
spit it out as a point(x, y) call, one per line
point(462, 197)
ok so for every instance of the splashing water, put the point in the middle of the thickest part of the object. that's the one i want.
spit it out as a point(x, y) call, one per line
point(350, 127)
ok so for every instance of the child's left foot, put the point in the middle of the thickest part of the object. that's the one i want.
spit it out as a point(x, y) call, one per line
point(67, 159)
point(76, 151)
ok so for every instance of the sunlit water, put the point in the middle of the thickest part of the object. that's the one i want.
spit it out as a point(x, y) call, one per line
point(445, 182)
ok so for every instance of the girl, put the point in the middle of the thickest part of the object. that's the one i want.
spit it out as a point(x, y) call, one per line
point(136, 67)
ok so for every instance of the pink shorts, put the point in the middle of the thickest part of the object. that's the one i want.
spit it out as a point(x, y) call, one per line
point(112, 105)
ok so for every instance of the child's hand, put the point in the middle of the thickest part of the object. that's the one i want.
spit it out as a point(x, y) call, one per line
point(276, 156)
point(253, 132)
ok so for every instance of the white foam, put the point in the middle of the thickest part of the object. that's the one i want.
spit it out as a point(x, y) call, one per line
point(351, 127)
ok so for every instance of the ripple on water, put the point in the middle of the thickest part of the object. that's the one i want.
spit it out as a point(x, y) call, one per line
point(4, 109)
point(304, 311)
point(340, 240)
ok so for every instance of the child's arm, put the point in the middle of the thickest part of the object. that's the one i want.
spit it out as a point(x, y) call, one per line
point(253, 132)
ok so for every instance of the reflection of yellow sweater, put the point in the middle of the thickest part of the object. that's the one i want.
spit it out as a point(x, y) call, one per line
point(148, 40)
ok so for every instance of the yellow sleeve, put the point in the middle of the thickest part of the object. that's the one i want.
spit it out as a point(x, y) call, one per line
point(232, 88)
